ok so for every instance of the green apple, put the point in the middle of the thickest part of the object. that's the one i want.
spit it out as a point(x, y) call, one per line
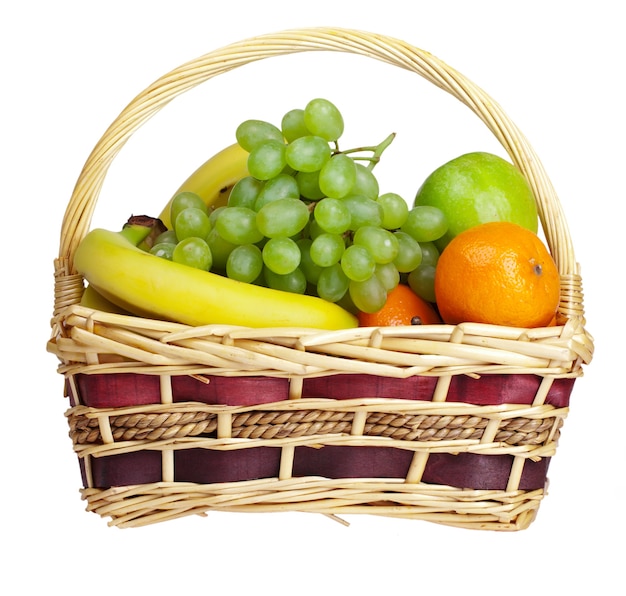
point(477, 188)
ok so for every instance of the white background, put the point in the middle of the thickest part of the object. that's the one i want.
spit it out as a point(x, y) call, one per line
point(68, 68)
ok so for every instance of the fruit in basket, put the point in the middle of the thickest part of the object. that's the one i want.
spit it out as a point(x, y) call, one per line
point(323, 119)
point(499, 273)
point(309, 206)
point(422, 279)
point(403, 307)
point(426, 223)
point(311, 210)
point(91, 298)
point(477, 188)
point(213, 180)
point(149, 286)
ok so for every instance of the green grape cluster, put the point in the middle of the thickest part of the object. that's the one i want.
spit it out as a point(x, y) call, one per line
point(309, 218)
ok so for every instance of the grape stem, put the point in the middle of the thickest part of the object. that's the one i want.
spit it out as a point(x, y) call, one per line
point(377, 151)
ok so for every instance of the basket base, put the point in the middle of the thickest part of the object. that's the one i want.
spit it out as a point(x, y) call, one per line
point(142, 505)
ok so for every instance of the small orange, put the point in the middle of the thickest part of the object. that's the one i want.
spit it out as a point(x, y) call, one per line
point(403, 307)
point(498, 273)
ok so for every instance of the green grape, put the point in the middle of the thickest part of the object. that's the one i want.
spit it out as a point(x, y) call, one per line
point(337, 176)
point(183, 200)
point(308, 220)
point(425, 223)
point(332, 215)
point(193, 252)
point(294, 281)
point(167, 237)
point(357, 263)
point(245, 192)
point(422, 282)
point(281, 255)
point(293, 126)
point(214, 214)
point(323, 119)
point(314, 229)
point(192, 222)
point(245, 263)
point(238, 226)
point(346, 303)
point(280, 187)
point(332, 284)
point(309, 185)
point(430, 253)
point(307, 154)
point(380, 243)
point(366, 182)
point(395, 210)
point(388, 275)
point(309, 268)
point(252, 133)
point(326, 249)
point(409, 252)
point(267, 160)
point(368, 295)
point(163, 250)
point(363, 211)
point(220, 249)
point(282, 217)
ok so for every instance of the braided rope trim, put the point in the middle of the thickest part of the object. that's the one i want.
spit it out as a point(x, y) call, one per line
point(85, 430)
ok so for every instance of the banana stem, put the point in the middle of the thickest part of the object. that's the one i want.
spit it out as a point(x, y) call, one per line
point(142, 229)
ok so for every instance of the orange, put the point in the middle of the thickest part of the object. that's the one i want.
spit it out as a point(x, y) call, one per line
point(499, 273)
point(403, 307)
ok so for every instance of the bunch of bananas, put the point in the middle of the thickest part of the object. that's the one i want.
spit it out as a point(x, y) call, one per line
point(124, 278)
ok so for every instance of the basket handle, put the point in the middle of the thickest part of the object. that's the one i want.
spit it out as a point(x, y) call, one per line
point(82, 203)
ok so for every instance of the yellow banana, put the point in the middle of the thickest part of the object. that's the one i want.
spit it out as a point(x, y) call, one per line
point(214, 179)
point(149, 286)
point(93, 299)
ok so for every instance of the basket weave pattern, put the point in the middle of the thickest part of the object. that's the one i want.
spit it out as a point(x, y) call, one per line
point(295, 439)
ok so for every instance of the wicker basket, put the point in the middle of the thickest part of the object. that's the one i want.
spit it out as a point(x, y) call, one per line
point(450, 424)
